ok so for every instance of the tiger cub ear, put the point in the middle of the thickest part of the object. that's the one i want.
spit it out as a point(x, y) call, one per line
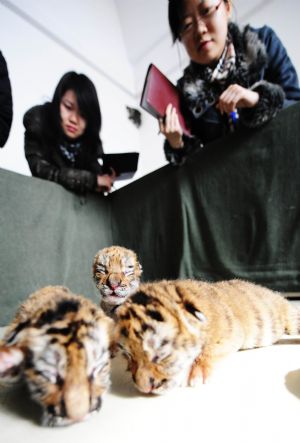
point(200, 316)
point(186, 320)
point(194, 311)
point(11, 358)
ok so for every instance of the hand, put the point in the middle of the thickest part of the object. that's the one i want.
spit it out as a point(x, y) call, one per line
point(235, 96)
point(105, 182)
point(171, 128)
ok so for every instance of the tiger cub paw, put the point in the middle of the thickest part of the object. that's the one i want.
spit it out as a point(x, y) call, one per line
point(196, 377)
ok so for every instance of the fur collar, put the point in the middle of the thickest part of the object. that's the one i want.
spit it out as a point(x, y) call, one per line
point(251, 51)
point(251, 58)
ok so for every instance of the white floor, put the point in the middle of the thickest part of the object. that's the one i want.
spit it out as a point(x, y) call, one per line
point(253, 396)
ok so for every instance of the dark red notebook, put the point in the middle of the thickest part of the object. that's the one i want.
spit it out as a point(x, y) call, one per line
point(157, 93)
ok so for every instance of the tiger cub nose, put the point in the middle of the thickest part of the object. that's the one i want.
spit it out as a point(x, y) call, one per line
point(151, 382)
point(113, 286)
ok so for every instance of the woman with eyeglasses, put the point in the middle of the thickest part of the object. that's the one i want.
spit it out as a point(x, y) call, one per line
point(62, 142)
point(236, 77)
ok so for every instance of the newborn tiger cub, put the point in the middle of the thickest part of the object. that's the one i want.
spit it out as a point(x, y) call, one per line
point(58, 344)
point(173, 332)
point(117, 272)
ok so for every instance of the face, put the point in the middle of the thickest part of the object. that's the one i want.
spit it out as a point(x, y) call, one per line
point(204, 29)
point(66, 379)
point(117, 274)
point(53, 368)
point(73, 124)
point(158, 363)
point(160, 353)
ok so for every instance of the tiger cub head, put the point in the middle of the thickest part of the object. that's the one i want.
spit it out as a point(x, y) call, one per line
point(159, 336)
point(117, 272)
point(59, 345)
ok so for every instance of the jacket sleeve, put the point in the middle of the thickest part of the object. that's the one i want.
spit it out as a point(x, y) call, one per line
point(279, 86)
point(178, 156)
point(73, 179)
point(6, 107)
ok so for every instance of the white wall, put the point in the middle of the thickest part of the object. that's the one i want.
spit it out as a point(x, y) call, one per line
point(42, 40)
point(283, 17)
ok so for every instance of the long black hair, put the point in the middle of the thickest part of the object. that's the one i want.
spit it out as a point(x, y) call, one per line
point(88, 105)
point(175, 14)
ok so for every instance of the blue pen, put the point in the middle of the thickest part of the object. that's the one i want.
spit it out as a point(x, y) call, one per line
point(233, 119)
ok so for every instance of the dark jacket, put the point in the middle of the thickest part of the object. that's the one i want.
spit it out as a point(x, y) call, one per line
point(6, 107)
point(45, 159)
point(262, 64)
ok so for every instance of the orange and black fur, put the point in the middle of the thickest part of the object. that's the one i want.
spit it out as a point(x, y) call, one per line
point(173, 332)
point(58, 344)
point(116, 272)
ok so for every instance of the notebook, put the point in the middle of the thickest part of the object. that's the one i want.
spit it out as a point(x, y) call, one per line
point(124, 164)
point(157, 93)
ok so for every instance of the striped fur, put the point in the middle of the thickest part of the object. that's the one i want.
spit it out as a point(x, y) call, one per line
point(116, 272)
point(58, 343)
point(173, 332)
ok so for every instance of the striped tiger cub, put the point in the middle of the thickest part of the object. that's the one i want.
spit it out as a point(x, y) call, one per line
point(173, 332)
point(58, 344)
point(116, 272)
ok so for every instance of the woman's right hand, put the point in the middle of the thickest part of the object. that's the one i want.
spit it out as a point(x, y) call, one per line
point(105, 182)
point(170, 127)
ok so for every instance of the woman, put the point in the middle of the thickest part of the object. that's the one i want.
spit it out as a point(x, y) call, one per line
point(235, 77)
point(62, 142)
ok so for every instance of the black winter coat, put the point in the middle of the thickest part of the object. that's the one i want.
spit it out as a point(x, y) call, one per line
point(6, 107)
point(262, 64)
point(46, 160)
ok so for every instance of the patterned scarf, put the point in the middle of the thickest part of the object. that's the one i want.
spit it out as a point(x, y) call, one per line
point(70, 150)
point(225, 65)
point(222, 71)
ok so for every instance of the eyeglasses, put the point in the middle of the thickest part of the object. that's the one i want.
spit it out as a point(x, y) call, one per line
point(205, 14)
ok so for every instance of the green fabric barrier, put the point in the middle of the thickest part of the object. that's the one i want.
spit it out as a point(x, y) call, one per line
point(230, 211)
point(48, 236)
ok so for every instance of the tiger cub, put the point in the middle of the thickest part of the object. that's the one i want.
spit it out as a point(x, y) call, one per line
point(117, 272)
point(58, 344)
point(173, 332)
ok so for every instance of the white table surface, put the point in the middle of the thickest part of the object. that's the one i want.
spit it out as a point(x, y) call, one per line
point(253, 396)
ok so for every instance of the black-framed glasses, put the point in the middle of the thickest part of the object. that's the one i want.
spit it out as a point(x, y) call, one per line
point(205, 14)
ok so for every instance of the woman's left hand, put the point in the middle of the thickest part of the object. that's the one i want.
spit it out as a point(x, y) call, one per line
point(235, 96)
point(105, 181)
